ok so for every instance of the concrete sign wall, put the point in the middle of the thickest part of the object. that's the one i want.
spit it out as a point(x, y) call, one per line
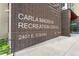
point(33, 23)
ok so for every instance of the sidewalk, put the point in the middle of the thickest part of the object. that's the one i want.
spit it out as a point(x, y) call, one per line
point(60, 46)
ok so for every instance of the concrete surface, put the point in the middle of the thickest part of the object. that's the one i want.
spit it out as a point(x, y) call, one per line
point(60, 46)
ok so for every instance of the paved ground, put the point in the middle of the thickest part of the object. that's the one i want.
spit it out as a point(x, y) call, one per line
point(60, 46)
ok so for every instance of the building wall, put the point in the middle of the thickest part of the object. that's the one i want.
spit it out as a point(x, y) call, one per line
point(76, 8)
point(77, 20)
point(3, 20)
point(65, 22)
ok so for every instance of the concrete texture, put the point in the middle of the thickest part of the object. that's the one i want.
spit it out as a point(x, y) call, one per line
point(60, 46)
